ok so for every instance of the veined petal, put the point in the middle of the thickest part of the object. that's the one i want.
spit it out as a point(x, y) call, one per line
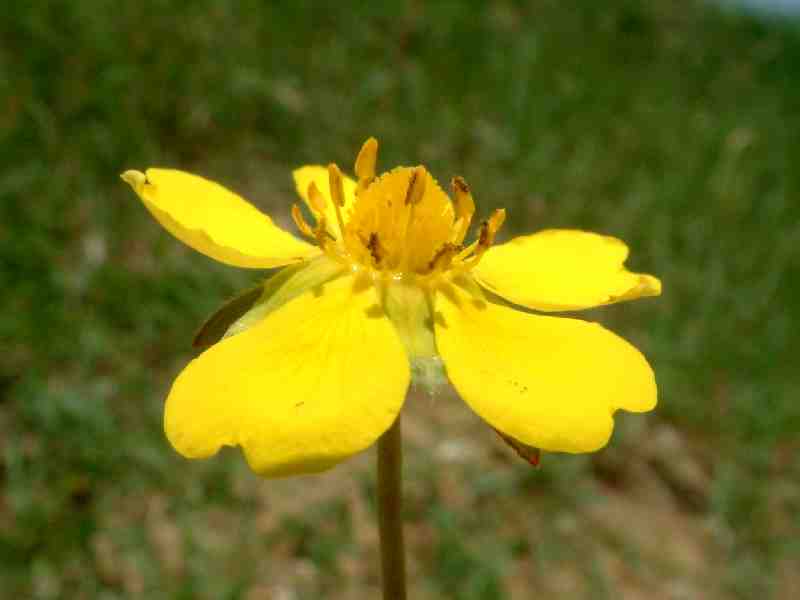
point(549, 382)
point(304, 176)
point(319, 379)
point(563, 269)
point(215, 221)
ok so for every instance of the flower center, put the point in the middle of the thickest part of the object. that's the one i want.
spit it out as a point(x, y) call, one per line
point(400, 223)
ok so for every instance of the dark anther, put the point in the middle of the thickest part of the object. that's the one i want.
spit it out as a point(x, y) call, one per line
point(374, 247)
point(410, 187)
point(483, 239)
point(444, 249)
point(461, 185)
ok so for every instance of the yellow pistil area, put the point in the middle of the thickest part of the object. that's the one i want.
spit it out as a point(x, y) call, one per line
point(401, 225)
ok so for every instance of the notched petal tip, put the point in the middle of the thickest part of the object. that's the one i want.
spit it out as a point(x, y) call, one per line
point(643, 286)
point(135, 179)
point(649, 285)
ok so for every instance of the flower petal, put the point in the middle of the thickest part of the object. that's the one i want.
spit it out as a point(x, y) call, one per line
point(215, 221)
point(563, 269)
point(304, 176)
point(319, 379)
point(549, 382)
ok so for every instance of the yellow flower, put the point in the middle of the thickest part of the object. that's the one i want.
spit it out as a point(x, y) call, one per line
point(317, 366)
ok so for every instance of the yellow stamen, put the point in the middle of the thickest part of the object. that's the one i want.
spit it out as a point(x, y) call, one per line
point(464, 208)
point(337, 187)
point(337, 192)
point(414, 193)
point(496, 222)
point(443, 258)
point(398, 225)
point(136, 179)
point(489, 229)
point(301, 223)
point(320, 232)
point(326, 241)
point(366, 160)
point(416, 186)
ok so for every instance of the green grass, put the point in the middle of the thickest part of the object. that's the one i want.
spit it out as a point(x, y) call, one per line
point(673, 127)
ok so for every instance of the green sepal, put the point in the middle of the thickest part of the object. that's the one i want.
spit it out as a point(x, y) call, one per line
point(248, 308)
point(215, 327)
point(408, 306)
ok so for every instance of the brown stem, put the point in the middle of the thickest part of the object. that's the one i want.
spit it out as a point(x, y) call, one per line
point(390, 521)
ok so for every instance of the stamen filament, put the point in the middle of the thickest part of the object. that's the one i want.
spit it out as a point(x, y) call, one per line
point(443, 258)
point(327, 243)
point(301, 223)
point(466, 251)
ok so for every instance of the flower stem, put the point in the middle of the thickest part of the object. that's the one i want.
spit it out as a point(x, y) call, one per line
point(390, 522)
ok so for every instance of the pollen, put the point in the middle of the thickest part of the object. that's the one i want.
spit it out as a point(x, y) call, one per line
point(401, 223)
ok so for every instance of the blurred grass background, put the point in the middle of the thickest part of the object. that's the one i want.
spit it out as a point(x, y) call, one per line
point(670, 124)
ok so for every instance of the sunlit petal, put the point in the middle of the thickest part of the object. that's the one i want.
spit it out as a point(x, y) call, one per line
point(563, 269)
point(305, 176)
point(549, 382)
point(319, 379)
point(215, 221)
